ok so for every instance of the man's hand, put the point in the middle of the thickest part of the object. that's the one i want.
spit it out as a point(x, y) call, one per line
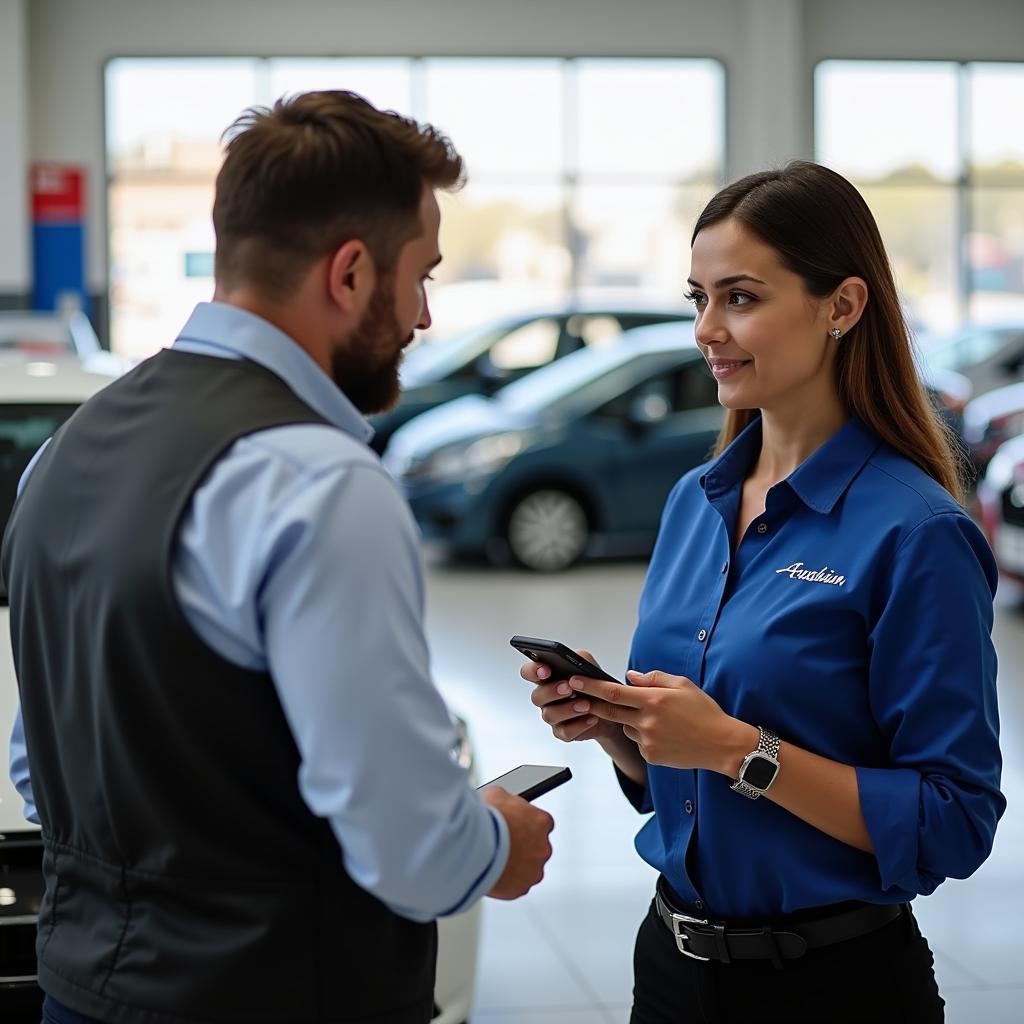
point(529, 849)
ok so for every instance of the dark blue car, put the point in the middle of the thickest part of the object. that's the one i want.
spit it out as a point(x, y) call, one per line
point(576, 458)
point(489, 356)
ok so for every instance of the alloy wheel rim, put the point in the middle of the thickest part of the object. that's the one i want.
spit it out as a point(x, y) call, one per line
point(548, 530)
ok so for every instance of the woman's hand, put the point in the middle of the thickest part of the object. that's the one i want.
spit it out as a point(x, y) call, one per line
point(570, 719)
point(673, 721)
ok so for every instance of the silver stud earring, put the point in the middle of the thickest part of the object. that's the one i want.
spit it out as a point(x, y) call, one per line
point(836, 333)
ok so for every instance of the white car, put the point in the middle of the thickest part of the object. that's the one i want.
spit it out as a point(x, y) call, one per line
point(39, 389)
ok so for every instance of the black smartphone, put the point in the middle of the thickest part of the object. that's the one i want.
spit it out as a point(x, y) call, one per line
point(530, 780)
point(563, 661)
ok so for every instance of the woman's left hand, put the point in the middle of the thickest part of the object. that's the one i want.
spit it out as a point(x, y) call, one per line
point(672, 720)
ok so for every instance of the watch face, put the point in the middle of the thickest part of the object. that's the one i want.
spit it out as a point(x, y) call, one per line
point(759, 772)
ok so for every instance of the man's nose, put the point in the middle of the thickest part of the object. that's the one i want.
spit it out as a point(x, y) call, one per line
point(425, 320)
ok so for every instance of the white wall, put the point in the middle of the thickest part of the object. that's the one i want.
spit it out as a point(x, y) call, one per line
point(14, 116)
point(769, 48)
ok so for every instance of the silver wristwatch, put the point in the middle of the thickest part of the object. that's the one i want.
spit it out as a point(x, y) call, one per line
point(760, 767)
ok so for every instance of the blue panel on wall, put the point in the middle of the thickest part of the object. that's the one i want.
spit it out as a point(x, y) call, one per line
point(59, 266)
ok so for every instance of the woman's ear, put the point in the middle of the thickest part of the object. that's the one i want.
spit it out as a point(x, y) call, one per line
point(849, 301)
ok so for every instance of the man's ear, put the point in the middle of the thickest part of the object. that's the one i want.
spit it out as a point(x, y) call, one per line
point(351, 277)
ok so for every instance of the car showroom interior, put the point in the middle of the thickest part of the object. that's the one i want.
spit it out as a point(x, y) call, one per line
point(578, 360)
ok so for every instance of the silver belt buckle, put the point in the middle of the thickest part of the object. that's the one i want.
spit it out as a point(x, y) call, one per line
point(678, 920)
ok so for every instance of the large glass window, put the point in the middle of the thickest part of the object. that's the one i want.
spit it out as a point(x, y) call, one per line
point(937, 149)
point(585, 175)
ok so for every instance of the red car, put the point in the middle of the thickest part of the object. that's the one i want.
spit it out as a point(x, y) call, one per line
point(1001, 505)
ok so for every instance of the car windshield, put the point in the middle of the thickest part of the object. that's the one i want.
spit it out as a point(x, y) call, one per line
point(966, 350)
point(571, 378)
point(23, 428)
point(433, 360)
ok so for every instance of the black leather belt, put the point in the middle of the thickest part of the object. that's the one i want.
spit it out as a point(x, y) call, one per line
point(712, 940)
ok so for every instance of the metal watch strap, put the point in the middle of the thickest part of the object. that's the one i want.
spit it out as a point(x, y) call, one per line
point(767, 743)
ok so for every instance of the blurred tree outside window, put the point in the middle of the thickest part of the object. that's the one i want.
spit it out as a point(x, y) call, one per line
point(585, 175)
point(937, 150)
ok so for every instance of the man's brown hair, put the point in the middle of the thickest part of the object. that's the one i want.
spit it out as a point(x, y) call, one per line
point(313, 172)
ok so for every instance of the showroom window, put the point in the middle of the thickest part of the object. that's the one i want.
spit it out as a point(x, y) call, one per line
point(938, 152)
point(586, 175)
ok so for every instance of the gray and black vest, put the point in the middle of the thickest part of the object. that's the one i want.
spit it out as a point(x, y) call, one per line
point(186, 879)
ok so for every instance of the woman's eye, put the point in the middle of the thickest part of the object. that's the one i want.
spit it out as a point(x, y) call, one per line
point(740, 299)
point(697, 298)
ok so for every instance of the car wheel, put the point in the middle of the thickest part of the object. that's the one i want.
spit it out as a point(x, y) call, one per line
point(547, 530)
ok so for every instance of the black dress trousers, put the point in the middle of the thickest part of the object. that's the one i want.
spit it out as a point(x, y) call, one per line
point(884, 977)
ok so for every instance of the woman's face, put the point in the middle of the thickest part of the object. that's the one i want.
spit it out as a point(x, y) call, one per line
point(764, 336)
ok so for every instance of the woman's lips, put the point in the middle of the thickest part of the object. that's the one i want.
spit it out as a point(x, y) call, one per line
point(723, 368)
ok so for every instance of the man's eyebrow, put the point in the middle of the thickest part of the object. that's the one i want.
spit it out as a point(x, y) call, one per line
point(726, 281)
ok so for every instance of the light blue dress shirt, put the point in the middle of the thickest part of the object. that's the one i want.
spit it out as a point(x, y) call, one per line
point(854, 619)
point(298, 556)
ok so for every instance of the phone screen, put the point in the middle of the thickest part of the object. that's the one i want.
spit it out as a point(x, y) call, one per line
point(531, 780)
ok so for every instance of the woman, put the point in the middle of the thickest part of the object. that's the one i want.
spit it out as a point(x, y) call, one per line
point(814, 630)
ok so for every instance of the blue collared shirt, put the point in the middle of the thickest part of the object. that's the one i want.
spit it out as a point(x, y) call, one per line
point(854, 620)
point(297, 556)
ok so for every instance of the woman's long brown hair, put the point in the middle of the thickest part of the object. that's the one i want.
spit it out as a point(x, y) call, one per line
point(822, 229)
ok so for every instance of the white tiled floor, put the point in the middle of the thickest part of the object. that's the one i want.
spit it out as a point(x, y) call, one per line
point(563, 954)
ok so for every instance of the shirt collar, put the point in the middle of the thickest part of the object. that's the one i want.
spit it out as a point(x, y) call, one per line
point(217, 328)
point(819, 481)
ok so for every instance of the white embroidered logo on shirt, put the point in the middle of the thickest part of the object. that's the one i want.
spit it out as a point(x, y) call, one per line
point(798, 572)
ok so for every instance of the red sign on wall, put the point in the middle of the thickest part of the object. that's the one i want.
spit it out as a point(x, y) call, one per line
point(58, 193)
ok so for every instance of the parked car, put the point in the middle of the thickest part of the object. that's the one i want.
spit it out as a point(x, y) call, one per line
point(989, 356)
point(39, 389)
point(1001, 506)
point(44, 335)
point(36, 396)
point(576, 458)
point(992, 419)
point(487, 357)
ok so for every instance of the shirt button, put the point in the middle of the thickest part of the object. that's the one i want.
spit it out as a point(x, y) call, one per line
point(688, 807)
point(699, 904)
point(725, 568)
point(762, 527)
point(702, 635)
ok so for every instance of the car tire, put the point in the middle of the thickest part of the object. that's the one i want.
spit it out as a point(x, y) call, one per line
point(547, 530)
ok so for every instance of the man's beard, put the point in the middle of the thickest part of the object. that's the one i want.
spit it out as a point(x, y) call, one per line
point(366, 368)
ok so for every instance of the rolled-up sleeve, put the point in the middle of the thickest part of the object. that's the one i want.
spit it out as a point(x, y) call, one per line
point(932, 810)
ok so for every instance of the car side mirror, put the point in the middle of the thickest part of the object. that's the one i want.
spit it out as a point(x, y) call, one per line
point(646, 411)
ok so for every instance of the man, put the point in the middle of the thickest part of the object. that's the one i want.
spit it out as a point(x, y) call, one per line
point(241, 767)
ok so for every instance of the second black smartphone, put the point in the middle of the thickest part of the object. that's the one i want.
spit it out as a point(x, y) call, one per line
point(531, 780)
point(562, 660)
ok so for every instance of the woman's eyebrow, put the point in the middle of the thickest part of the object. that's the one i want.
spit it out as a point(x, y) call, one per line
point(726, 281)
